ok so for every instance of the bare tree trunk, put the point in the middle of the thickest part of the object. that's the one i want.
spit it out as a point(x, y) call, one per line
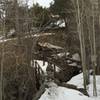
point(93, 58)
point(98, 60)
point(17, 21)
point(99, 11)
point(82, 45)
point(93, 47)
point(1, 76)
point(2, 69)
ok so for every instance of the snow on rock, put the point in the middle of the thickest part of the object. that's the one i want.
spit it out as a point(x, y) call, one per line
point(76, 57)
point(73, 64)
point(61, 93)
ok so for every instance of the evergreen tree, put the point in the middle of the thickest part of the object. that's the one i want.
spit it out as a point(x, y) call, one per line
point(40, 16)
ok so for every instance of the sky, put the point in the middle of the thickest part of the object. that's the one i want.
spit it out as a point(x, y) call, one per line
point(44, 3)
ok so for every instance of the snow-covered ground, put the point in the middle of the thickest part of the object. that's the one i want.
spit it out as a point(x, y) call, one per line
point(91, 86)
point(78, 81)
point(55, 92)
point(60, 93)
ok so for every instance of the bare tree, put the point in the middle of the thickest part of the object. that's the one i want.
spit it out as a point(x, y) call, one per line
point(17, 20)
point(2, 63)
point(81, 37)
point(93, 52)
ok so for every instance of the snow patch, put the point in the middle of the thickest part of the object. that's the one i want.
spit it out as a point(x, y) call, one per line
point(44, 66)
point(48, 45)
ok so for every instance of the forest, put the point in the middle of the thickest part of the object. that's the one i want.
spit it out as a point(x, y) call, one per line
point(50, 52)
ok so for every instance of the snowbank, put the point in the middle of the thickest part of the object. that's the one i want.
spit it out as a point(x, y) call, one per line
point(55, 92)
point(61, 93)
point(78, 81)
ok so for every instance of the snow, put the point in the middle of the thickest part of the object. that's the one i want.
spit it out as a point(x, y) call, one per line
point(39, 35)
point(76, 57)
point(2, 38)
point(60, 93)
point(43, 3)
point(44, 66)
point(78, 81)
point(73, 64)
point(61, 23)
point(48, 45)
point(91, 86)
point(5, 40)
point(55, 92)
point(12, 31)
point(63, 54)
point(43, 34)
